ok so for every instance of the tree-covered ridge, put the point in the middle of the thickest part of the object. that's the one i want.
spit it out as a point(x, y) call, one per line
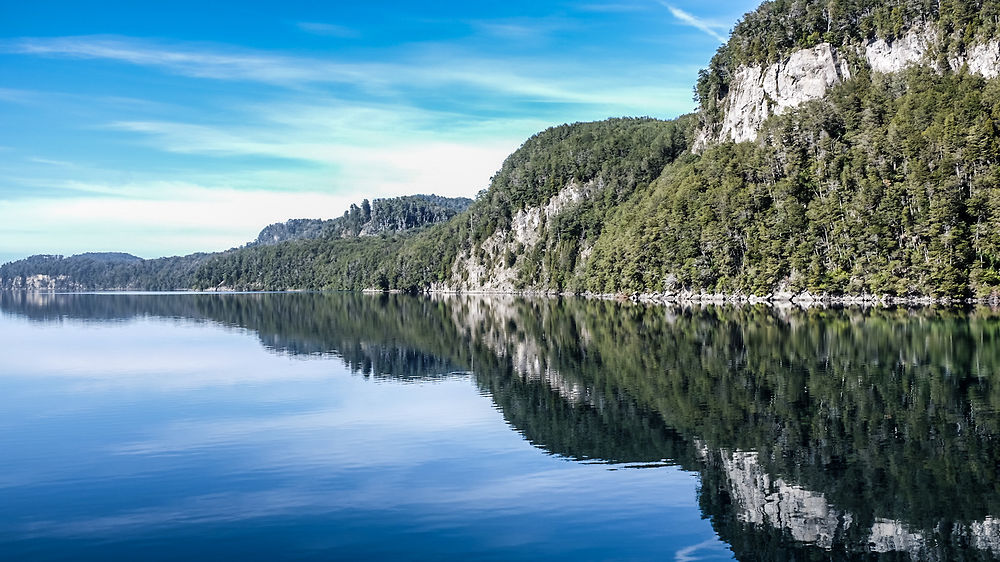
point(95, 271)
point(610, 159)
point(619, 154)
point(780, 27)
point(616, 157)
point(381, 215)
point(891, 184)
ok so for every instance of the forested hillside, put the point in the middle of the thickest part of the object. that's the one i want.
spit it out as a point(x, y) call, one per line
point(379, 216)
point(891, 184)
point(616, 156)
point(869, 164)
point(283, 267)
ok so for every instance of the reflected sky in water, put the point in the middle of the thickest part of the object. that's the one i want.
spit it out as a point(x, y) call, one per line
point(154, 436)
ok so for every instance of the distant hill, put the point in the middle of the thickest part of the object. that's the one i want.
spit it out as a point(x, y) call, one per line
point(109, 257)
point(381, 216)
point(120, 271)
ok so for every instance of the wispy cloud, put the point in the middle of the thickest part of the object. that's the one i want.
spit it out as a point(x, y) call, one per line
point(50, 162)
point(432, 117)
point(694, 21)
point(424, 72)
point(523, 30)
point(412, 163)
point(328, 29)
point(195, 60)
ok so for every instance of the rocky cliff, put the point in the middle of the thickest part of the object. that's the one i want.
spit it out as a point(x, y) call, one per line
point(755, 92)
point(495, 265)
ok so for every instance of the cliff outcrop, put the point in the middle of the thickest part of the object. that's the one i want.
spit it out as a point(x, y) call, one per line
point(755, 92)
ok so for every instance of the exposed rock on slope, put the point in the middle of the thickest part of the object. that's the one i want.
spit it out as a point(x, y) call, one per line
point(755, 92)
point(982, 59)
point(892, 56)
point(501, 253)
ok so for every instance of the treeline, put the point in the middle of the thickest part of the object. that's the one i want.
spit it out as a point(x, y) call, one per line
point(298, 254)
point(379, 216)
point(93, 271)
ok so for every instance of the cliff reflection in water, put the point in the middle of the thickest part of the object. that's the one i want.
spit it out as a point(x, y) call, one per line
point(819, 431)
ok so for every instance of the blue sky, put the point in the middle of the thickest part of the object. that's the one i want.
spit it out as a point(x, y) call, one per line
point(168, 128)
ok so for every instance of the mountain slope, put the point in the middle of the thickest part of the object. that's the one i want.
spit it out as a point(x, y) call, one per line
point(889, 185)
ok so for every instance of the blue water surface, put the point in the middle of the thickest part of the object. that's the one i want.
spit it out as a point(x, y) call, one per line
point(153, 436)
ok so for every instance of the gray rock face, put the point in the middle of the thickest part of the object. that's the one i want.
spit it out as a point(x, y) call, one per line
point(807, 516)
point(913, 48)
point(763, 500)
point(494, 274)
point(982, 59)
point(757, 92)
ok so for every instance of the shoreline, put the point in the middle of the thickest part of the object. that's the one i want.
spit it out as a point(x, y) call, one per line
point(780, 299)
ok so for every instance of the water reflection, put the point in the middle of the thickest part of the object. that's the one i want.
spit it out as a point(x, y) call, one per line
point(815, 433)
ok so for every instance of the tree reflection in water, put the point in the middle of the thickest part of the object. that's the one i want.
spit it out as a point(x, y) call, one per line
point(814, 432)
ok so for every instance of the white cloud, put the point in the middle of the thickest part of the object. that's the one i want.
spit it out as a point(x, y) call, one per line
point(51, 162)
point(373, 163)
point(523, 29)
point(696, 22)
point(196, 60)
point(153, 218)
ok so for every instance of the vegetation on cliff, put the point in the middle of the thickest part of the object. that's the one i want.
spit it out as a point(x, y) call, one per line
point(891, 184)
point(778, 27)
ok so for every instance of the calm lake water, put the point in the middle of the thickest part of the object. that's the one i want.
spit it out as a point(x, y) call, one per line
point(344, 426)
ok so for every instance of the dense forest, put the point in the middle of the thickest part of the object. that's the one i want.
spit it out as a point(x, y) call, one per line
point(888, 185)
point(368, 219)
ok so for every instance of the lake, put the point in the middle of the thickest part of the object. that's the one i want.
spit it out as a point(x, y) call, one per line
point(348, 426)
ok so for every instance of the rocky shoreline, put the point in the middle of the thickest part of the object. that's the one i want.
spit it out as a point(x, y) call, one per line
point(808, 299)
point(803, 299)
